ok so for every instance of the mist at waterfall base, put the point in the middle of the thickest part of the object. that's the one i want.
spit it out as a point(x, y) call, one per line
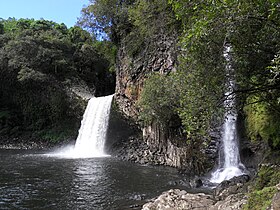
point(92, 134)
point(229, 161)
point(229, 158)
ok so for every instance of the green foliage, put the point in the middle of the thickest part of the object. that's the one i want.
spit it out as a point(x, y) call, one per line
point(26, 74)
point(252, 29)
point(1, 28)
point(159, 99)
point(267, 177)
point(10, 25)
point(106, 18)
point(55, 135)
point(36, 58)
point(133, 20)
point(167, 96)
point(5, 114)
point(200, 99)
point(262, 122)
point(152, 17)
point(109, 51)
point(262, 193)
point(260, 199)
point(79, 36)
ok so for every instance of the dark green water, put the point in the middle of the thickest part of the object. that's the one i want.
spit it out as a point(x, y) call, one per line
point(31, 180)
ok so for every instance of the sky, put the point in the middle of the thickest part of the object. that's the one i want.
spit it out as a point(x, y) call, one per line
point(60, 11)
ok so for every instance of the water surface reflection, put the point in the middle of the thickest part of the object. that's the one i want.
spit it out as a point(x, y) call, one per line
point(30, 180)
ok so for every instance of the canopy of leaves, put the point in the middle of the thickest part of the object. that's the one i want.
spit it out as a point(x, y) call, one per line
point(206, 27)
point(37, 59)
point(106, 18)
point(252, 29)
point(115, 19)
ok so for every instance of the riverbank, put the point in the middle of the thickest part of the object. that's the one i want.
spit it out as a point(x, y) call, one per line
point(235, 194)
point(27, 141)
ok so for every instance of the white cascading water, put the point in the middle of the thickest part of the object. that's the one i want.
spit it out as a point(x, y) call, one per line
point(229, 159)
point(92, 134)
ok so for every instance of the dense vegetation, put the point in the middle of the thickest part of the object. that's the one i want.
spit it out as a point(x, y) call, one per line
point(262, 192)
point(39, 62)
point(195, 93)
point(197, 88)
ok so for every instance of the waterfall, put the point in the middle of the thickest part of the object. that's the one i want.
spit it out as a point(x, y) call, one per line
point(92, 134)
point(229, 158)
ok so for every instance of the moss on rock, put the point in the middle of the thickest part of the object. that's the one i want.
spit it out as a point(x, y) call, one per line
point(264, 189)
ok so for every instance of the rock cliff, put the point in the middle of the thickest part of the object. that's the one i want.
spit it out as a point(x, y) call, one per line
point(159, 145)
point(159, 55)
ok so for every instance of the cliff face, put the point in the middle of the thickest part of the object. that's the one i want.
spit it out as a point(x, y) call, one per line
point(159, 55)
point(160, 145)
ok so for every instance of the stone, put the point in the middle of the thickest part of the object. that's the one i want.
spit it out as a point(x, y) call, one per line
point(232, 202)
point(196, 182)
point(232, 186)
point(275, 204)
point(176, 199)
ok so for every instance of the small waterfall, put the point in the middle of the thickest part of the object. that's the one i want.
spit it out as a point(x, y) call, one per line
point(229, 159)
point(92, 134)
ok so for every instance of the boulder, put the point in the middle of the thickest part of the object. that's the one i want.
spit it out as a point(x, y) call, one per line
point(232, 202)
point(232, 186)
point(176, 199)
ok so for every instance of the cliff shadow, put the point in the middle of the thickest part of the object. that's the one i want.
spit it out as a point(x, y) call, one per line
point(120, 129)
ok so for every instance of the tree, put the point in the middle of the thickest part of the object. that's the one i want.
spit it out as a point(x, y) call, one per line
point(39, 60)
point(252, 28)
point(106, 18)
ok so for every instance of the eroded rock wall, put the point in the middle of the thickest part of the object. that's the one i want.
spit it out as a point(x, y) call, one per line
point(158, 55)
point(158, 145)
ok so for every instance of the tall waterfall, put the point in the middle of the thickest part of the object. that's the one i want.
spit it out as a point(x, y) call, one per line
point(229, 158)
point(92, 134)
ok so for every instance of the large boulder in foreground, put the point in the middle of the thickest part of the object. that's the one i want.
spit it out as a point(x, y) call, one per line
point(176, 199)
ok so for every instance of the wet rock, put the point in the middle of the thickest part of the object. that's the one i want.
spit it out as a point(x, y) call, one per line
point(232, 186)
point(196, 182)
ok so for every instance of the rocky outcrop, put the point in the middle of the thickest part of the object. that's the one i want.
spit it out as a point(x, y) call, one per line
point(176, 199)
point(180, 200)
point(228, 195)
point(232, 202)
point(233, 186)
point(169, 153)
point(159, 55)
